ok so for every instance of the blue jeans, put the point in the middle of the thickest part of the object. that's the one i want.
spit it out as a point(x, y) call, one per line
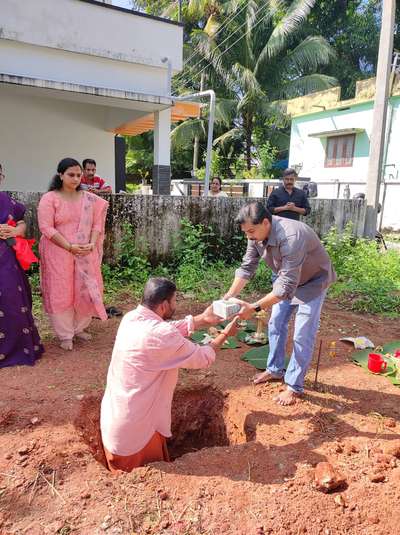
point(305, 331)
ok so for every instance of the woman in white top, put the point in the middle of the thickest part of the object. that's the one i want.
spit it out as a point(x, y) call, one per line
point(216, 188)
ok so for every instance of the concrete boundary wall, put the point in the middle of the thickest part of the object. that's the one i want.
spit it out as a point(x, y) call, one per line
point(156, 219)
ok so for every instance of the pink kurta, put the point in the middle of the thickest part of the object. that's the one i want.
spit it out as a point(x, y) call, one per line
point(142, 377)
point(69, 282)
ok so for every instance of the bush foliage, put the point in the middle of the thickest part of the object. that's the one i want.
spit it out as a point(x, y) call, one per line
point(203, 267)
point(368, 277)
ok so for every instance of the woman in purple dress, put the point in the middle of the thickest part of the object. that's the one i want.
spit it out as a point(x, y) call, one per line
point(19, 338)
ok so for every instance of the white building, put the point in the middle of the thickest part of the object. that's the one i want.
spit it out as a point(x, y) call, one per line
point(330, 144)
point(73, 74)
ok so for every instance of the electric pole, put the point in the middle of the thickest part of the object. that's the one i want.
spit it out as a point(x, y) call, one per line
point(377, 141)
point(179, 10)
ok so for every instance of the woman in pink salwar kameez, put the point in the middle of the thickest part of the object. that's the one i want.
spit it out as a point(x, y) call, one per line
point(72, 225)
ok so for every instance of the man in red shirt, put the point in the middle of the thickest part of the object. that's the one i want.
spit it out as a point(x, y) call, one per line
point(92, 182)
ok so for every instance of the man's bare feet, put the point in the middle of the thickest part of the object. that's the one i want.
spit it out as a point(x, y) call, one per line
point(265, 377)
point(287, 397)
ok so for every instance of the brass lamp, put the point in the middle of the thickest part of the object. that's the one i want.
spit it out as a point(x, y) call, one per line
point(260, 335)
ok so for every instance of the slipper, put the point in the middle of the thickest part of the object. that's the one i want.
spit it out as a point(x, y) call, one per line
point(84, 336)
point(113, 311)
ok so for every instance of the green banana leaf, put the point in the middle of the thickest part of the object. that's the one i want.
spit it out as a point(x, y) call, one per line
point(258, 356)
point(198, 336)
point(230, 343)
point(361, 359)
point(249, 326)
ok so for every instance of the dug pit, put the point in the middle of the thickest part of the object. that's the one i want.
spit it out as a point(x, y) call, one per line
point(197, 422)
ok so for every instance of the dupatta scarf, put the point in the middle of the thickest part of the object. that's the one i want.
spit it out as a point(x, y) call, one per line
point(88, 278)
point(9, 209)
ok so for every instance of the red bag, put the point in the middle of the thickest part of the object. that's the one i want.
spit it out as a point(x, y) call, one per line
point(23, 249)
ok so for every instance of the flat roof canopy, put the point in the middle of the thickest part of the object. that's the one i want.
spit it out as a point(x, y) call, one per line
point(103, 96)
point(130, 113)
point(179, 112)
point(342, 132)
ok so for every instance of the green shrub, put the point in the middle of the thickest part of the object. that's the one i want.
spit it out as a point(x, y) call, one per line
point(201, 245)
point(131, 270)
point(368, 278)
point(261, 282)
point(203, 266)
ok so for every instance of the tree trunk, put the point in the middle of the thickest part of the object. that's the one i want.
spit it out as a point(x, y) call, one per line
point(249, 131)
point(196, 153)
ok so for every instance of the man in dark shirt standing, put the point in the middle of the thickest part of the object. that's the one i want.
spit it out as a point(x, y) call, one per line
point(287, 200)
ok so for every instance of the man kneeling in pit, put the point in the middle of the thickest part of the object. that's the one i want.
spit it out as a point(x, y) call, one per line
point(148, 352)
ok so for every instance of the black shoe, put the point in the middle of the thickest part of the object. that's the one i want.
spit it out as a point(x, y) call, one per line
point(113, 311)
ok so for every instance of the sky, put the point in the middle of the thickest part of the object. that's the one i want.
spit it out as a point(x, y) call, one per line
point(122, 3)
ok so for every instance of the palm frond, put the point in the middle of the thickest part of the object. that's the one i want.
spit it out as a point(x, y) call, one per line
point(195, 9)
point(307, 84)
point(273, 110)
point(310, 54)
point(214, 60)
point(295, 15)
point(184, 134)
point(252, 12)
point(225, 111)
point(229, 137)
point(246, 79)
point(212, 26)
point(171, 10)
point(279, 139)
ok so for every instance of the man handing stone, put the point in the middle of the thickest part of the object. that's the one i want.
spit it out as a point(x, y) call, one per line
point(293, 251)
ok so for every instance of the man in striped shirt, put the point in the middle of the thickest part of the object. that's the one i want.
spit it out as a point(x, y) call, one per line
point(92, 182)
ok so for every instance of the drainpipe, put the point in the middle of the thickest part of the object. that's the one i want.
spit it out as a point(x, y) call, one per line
point(169, 74)
point(195, 96)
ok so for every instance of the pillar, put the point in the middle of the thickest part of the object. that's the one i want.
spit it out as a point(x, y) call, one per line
point(162, 153)
point(382, 94)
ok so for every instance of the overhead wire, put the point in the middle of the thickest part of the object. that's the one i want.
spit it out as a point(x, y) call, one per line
point(223, 25)
point(233, 44)
point(183, 75)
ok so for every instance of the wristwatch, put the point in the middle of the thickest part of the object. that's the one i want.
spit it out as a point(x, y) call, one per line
point(257, 308)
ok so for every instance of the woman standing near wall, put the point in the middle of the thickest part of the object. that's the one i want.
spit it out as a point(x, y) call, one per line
point(216, 188)
point(19, 338)
point(72, 225)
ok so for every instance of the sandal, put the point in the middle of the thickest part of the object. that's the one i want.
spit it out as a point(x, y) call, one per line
point(83, 336)
point(113, 311)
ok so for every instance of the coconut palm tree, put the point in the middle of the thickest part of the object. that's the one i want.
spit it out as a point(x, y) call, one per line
point(257, 62)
